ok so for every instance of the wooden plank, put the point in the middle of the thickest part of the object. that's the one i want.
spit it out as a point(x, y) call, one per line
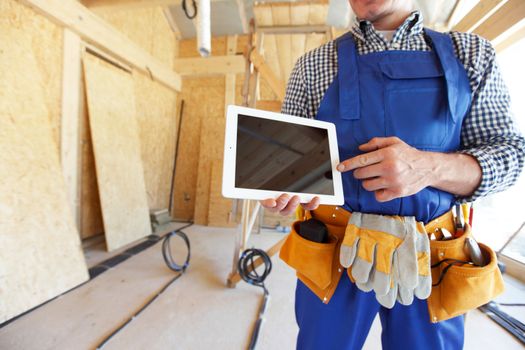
point(242, 14)
point(70, 120)
point(262, 5)
point(114, 131)
point(293, 29)
point(478, 13)
point(263, 17)
point(281, 17)
point(276, 84)
point(213, 65)
point(40, 250)
point(313, 41)
point(74, 16)
point(510, 40)
point(508, 15)
point(318, 13)
point(299, 16)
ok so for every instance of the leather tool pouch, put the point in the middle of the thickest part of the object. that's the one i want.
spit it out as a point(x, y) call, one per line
point(459, 287)
point(316, 264)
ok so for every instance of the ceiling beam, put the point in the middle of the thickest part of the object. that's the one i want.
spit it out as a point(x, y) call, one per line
point(104, 4)
point(508, 15)
point(93, 30)
point(478, 13)
point(511, 39)
point(266, 72)
point(213, 65)
point(242, 14)
point(293, 29)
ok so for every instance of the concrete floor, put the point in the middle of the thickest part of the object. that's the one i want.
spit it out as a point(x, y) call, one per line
point(196, 312)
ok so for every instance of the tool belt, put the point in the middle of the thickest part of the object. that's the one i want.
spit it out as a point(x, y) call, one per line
point(457, 286)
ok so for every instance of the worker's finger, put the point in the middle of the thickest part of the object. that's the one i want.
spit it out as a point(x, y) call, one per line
point(375, 184)
point(282, 202)
point(367, 172)
point(385, 195)
point(360, 161)
point(379, 142)
point(313, 204)
point(291, 206)
point(269, 203)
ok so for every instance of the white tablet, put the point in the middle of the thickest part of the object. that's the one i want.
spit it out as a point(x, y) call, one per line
point(267, 154)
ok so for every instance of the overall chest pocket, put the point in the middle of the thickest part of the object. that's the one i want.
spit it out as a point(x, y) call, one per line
point(416, 105)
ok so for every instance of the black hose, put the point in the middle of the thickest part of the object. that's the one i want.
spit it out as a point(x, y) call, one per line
point(248, 272)
point(185, 9)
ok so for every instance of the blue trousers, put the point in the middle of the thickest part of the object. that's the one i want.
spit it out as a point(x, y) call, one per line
point(344, 323)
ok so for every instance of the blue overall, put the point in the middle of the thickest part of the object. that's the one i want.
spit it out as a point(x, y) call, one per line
point(420, 97)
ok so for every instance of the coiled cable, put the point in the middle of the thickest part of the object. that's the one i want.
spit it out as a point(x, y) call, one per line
point(247, 267)
point(185, 9)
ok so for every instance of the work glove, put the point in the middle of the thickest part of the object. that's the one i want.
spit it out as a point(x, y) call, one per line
point(405, 296)
point(382, 252)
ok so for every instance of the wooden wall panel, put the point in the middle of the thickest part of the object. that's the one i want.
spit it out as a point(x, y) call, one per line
point(40, 253)
point(46, 41)
point(149, 29)
point(116, 144)
point(157, 117)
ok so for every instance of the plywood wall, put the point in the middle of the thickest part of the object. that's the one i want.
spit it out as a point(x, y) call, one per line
point(157, 114)
point(40, 252)
point(46, 41)
point(116, 144)
point(202, 140)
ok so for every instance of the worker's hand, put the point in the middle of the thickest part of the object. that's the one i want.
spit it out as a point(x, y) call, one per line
point(390, 168)
point(286, 205)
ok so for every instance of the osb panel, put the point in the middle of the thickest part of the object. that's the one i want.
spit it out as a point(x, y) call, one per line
point(220, 208)
point(185, 183)
point(211, 142)
point(116, 144)
point(46, 43)
point(157, 119)
point(40, 250)
point(147, 27)
point(91, 222)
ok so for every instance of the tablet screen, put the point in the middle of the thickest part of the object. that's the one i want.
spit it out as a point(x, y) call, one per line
point(281, 156)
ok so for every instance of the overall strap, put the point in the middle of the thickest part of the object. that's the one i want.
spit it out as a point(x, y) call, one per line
point(442, 44)
point(348, 77)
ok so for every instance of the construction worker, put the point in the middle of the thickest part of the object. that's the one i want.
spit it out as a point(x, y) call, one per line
point(423, 121)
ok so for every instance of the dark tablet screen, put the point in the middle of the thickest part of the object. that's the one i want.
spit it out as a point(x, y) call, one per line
point(280, 156)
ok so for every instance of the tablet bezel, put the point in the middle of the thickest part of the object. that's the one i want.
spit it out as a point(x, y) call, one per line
point(230, 151)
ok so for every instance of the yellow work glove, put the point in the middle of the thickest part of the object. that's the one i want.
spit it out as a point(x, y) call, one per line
point(382, 253)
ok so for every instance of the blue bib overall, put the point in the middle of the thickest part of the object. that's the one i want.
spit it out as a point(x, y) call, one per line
point(420, 97)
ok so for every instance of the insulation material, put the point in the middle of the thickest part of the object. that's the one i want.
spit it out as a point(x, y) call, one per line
point(46, 42)
point(146, 26)
point(116, 145)
point(40, 252)
point(157, 116)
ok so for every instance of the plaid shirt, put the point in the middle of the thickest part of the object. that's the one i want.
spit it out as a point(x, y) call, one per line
point(489, 133)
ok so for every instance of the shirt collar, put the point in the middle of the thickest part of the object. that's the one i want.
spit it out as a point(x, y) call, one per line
point(364, 30)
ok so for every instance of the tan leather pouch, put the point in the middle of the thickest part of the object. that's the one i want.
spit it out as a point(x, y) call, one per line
point(310, 259)
point(460, 287)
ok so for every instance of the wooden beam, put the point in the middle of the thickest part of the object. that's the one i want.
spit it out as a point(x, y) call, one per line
point(511, 39)
point(291, 29)
point(106, 4)
point(478, 13)
point(508, 15)
point(276, 84)
point(213, 65)
point(242, 14)
point(171, 21)
point(92, 29)
point(72, 98)
point(290, 4)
